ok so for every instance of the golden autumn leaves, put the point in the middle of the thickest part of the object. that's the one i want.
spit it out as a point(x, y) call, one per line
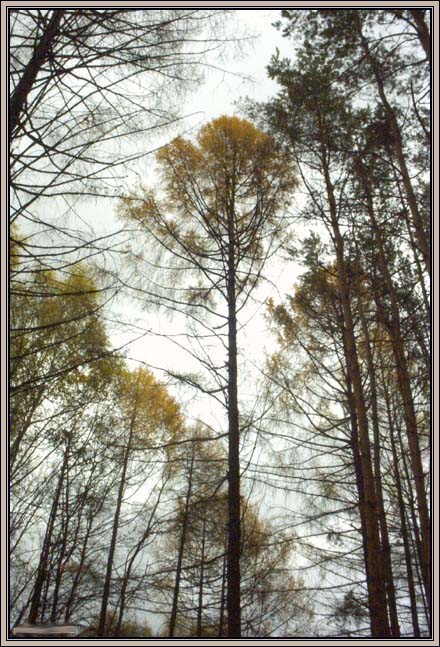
point(233, 171)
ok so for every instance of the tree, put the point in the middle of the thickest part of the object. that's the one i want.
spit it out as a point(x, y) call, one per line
point(199, 477)
point(87, 467)
point(60, 365)
point(198, 537)
point(59, 349)
point(219, 219)
point(371, 49)
point(315, 131)
point(354, 157)
point(122, 510)
point(152, 415)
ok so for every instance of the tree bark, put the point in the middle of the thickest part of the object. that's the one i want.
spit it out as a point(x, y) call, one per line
point(222, 594)
point(234, 540)
point(354, 442)
point(202, 565)
point(61, 561)
point(404, 382)
point(421, 236)
point(375, 584)
point(422, 30)
point(403, 524)
point(39, 57)
point(42, 572)
point(385, 543)
point(108, 575)
point(181, 550)
point(79, 571)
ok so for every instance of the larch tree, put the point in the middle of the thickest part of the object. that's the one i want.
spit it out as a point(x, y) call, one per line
point(60, 376)
point(151, 417)
point(270, 595)
point(218, 218)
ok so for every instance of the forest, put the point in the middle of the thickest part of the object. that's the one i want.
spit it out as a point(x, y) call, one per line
point(261, 468)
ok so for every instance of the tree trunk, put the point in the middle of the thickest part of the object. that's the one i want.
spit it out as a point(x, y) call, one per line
point(375, 583)
point(354, 442)
point(62, 552)
point(111, 554)
point(39, 57)
point(234, 542)
point(174, 608)
point(410, 509)
point(404, 383)
point(403, 524)
point(202, 564)
point(422, 30)
point(132, 559)
point(421, 236)
point(42, 572)
point(386, 549)
point(222, 594)
point(79, 572)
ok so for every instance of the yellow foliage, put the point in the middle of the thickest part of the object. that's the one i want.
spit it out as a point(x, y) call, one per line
point(157, 415)
point(224, 188)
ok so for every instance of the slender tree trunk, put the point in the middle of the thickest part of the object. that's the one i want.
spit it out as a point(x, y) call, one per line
point(39, 57)
point(421, 591)
point(421, 274)
point(222, 594)
point(421, 236)
point(79, 572)
point(202, 565)
point(426, 300)
point(180, 553)
point(386, 549)
point(108, 575)
point(403, 524)
point(130, 564)
point(45, 595)
point(61, 559)
point(42, 572)
point(376, 591)
point(89, 517)
point(404, 382)
point(66, 554)
point(411, 504)
point(357, 464)
point(234, 541)
point(354, 442)
point(410, 510)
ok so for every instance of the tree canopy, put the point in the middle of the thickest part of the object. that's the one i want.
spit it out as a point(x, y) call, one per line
point(220, 409)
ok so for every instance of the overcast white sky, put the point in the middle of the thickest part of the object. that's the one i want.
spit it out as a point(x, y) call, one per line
point(221, 89)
